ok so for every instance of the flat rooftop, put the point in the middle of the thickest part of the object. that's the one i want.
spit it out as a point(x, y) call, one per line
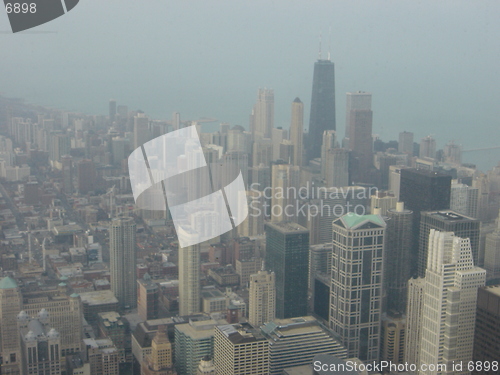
point(99, 297)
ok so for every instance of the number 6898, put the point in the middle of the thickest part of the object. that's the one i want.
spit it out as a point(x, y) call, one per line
point(20, 8)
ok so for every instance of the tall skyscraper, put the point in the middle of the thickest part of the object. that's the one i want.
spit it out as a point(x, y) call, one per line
point(122, 261)
point(392, 343)
point(492, 254)
point(356, 283)
point(360, 118)
point(464, 199)
point(86, 177)
point(449, 302)
point(189, 280)
point(322, 115)
point(487, 332)
point(262, 298)
point(405, 143)
point(263, 119)
point(428, 147)
point(423, 190)
point(355, 100)
point(399, 236)
point(240, 349)
point(112, 110)
point(297, 131)
point(446, 221)
point(287, 255)
point(336, 167)
point(285, 185)
point(10, 306)
point(329, 142)
point(141, 130)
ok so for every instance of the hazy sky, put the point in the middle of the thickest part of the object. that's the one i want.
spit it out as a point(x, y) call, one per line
point(432, 66)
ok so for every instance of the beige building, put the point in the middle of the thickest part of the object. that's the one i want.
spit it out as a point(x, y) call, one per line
point(247, 267)
point(262, 298)
point(297, 131)
point(189, 280)
point(240, 349)
point(285, 180)
point(159, 362)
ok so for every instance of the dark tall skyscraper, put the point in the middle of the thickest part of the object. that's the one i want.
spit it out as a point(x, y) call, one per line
point(446, 221)
point(322, 116)
point(487, 332)
point(397, 272)
point(287, 255)
point(423, 190)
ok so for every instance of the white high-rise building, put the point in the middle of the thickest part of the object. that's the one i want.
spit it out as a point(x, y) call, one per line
point(262, 298)
point(285, 185)
point(413, 319)
point(122, 260)
point(355, 100)
point(356, 287)
point(263, 114)
point(449, 303)
point(428, 147)
point(406, 143)
point(297, 131)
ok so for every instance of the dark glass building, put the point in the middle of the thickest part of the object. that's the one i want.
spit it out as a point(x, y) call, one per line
point(322, 115)
point(487, 332)
point(287, 255)
point(399, 237)
point(423, 190)
point(446, 221)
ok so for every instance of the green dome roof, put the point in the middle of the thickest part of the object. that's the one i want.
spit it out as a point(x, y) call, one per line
point(8, 283)
point(74, 295)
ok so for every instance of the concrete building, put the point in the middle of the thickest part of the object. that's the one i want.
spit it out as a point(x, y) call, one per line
point(296, 341)
point(356, 283)
point(148, 298)
point(240, 349)
point(413, 319)
point(262, 298)
point(122, 261)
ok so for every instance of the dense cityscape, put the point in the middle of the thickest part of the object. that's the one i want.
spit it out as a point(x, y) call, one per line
point(361, 253)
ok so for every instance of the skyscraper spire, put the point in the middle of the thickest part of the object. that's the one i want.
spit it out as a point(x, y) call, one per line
point(329, 42)
point(320, 55)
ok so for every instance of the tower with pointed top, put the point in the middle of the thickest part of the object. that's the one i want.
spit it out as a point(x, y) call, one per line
point(159, 362)
point(322, 115)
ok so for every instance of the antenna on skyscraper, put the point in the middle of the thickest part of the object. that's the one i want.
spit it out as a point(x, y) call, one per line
point(319, 52)
point(329, 42)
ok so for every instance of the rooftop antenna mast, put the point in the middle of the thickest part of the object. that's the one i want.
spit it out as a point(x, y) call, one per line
point(320, 55)
point(329, 42)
